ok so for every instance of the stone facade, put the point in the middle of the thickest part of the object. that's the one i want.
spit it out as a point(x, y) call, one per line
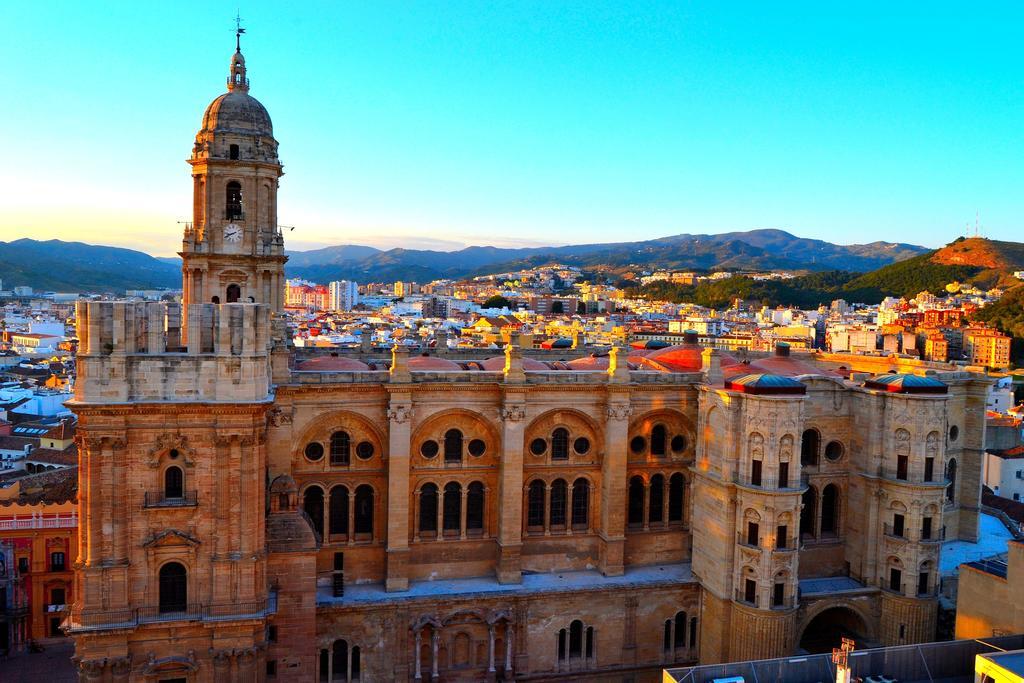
point(246, 519)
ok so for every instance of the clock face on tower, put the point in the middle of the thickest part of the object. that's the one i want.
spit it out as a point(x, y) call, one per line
point(232, 233)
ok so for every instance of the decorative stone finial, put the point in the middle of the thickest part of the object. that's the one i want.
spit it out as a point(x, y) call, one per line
point(712, 366)
point(514, 364)
point(618, 368)
point(400, 364)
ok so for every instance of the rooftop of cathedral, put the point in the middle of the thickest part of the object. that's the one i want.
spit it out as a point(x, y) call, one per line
point(553, 582)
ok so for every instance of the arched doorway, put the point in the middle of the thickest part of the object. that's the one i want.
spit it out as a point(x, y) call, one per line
point(827, 629)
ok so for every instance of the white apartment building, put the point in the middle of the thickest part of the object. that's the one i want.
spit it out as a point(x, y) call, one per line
point(343, 295)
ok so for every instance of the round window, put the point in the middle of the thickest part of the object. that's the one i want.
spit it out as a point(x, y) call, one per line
point(638, 444)
point(678, 443)
point(173, 454)
point(477, 447)
point(364, 450)
point(954, 432)
point(834, 450)
point(314, 451)
point(428, 449)
point(581, 445)
point(538, 446)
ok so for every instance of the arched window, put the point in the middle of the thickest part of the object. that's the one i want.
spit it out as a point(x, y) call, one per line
point(173, 588)
point(364, 510)
point(636, 502)
point(580, 503)
point(830, 509)
point(808, 513)
point(475, 507)
point(658, 440)
point(560, 444)
point(559, 492)
point(809, 448)
point(575, 639)
point(233, 200)
point(666, 639)
point(174, 483)
point(339, 660)
point(452, 507)
point(535, 504)
point(951, 478)
point(680, 630)
point(676, 487)
point(356, 664)
point(656, 499)
point(338, 510)
point(341, 448)
point(234, 293)
point(313, 505)
point(453, 446)
point(428, 508)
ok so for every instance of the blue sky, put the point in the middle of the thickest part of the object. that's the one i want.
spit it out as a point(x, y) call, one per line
point(451, 123)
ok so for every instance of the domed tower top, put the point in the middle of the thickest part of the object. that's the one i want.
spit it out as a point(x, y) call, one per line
point(233, 250)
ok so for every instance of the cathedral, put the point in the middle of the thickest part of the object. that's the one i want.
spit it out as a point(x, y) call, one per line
point(255, 512)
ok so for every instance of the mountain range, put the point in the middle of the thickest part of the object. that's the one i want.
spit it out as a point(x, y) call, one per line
point(74, 266)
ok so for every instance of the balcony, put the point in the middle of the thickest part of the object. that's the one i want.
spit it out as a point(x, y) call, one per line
point(38, 521)
point(80, 622)
point(934, 537)
point(897, 534)
point(771, 483)
point(158, 499)
point(741, 538)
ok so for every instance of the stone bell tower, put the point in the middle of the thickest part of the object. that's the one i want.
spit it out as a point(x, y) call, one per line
point(233, 250)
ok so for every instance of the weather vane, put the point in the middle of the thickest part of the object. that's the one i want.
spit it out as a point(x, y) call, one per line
point(238, 31)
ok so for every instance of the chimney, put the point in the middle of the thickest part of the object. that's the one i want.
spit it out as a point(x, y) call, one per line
point(366, 339)
point(441, 347)
point(690, 337)
point(782, 349)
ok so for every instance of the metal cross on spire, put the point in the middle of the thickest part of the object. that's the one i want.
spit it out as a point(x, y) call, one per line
point(238, 31)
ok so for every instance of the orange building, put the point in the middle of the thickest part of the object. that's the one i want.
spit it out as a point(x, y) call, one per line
point(39, 524)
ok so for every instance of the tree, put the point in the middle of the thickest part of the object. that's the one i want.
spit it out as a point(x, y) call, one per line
point(497, 301)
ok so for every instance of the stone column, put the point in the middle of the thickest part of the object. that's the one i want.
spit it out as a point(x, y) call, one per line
point(435, 641)
point(490, 651)
point(613, 481)
point(418, 675)
point(508, 651)
point(399, 436)
point(510, 484)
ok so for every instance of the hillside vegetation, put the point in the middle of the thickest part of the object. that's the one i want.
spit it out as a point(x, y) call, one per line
point(978, 261)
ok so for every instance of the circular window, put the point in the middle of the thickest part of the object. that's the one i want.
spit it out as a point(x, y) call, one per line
point(581, 445)
point(834, 450)
point(477, 447)
point(954, 432)
point(314, 451)
point(638, 444)
point(538, 446)
point(428, 449)
point(678, 443)
point(173, 454)
point(364, 450)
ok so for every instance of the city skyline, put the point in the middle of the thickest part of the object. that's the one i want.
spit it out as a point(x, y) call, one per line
point(526, 125)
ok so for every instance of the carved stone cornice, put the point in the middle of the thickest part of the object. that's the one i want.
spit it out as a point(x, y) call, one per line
point(400, 414)
point(513, 413)
point(618, 413)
